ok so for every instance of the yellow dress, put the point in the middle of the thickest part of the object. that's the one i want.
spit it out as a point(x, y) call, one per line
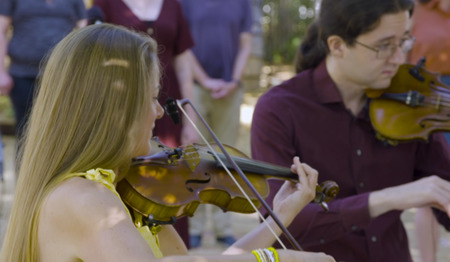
point(106, 177)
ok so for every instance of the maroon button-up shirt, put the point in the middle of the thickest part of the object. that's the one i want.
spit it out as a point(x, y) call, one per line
point(306, 117)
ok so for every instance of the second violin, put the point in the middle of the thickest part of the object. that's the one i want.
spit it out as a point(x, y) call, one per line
point(414, 105)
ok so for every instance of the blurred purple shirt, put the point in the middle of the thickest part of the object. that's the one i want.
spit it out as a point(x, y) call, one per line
point(216, 27)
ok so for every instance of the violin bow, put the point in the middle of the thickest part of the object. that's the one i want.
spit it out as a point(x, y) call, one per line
point(181, 103)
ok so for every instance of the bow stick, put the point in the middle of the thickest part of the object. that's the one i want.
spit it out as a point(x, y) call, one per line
point(181, 103)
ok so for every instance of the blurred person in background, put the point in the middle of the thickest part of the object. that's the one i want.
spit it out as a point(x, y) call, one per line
point(431, 28)
point(165, 22)
point(36, 27)
point(222, 32)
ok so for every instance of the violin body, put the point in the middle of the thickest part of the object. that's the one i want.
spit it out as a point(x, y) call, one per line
point(178, 186)
point(415, 104)
point(171, 183)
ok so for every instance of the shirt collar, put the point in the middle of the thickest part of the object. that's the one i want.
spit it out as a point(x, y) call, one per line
point(324, 86)
point(327, 91)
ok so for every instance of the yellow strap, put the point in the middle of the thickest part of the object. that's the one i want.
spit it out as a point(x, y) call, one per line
point(152, 241)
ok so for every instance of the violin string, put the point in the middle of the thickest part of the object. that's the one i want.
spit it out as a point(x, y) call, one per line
point(232, 177)
point(440, 89)
point(443, 107)
point(436, 104)
point(442, 100)
point(433, 102)
point(442, 94)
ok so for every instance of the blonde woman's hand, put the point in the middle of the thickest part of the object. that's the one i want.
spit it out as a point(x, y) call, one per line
point(293, 197)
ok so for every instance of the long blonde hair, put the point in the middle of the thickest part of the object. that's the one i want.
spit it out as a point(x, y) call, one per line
point(95, 93)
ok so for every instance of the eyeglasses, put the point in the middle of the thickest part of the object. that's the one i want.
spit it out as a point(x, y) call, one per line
point(387, 50)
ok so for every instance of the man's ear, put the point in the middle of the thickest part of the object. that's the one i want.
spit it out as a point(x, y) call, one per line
point(336, 45)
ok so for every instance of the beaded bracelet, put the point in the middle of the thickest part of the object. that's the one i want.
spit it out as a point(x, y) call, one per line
point(275, 254)
point(266, 255)
point(257, 255)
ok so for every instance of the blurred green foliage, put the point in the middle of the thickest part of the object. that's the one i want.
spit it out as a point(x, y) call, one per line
point(6, 110)
point(284, 23)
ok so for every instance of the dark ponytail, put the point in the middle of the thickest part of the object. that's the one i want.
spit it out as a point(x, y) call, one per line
point(312, 50)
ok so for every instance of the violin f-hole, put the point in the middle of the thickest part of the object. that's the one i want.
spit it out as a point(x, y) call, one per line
point(197, 181)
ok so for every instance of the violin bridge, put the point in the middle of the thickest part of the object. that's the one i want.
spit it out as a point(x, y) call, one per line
point(192, 157)
point(438, 102)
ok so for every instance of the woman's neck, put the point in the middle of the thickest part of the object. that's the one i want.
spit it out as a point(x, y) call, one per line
point(145, 10)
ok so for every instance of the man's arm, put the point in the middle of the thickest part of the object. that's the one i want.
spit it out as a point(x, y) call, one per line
point(245, 50)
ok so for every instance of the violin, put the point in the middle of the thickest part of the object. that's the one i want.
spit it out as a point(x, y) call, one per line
point(170, 183)
point(415, 104)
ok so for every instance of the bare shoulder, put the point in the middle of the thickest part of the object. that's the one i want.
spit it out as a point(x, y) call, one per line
point(77, 200)
point(74, 214)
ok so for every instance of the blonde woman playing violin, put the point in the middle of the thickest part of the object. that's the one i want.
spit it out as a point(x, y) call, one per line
point(95, 111)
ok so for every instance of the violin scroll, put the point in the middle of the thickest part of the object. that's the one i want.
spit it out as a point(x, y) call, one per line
point(326, 192)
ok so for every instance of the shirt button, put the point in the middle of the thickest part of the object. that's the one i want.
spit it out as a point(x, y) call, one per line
point(374, 239)
point(361, 185)
point(354, 228)
point(322, 241)
point(358, 152)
